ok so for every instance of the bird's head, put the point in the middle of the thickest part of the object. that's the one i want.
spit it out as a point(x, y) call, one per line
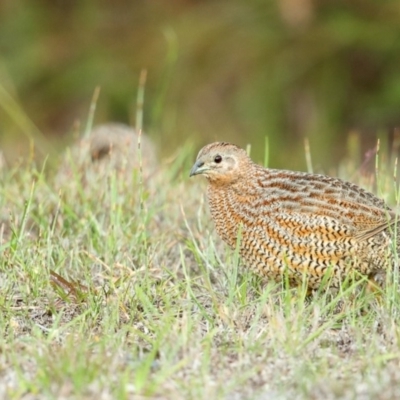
point(221, 162)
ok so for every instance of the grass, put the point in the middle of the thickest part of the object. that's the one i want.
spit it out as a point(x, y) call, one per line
point(102, 297)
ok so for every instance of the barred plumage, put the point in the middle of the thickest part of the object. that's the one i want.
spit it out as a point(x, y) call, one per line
point(305, 225)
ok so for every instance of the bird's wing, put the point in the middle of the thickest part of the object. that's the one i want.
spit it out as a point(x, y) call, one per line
point(346, 206)
point(314, 238)
point(389, 225)
point(319, 231)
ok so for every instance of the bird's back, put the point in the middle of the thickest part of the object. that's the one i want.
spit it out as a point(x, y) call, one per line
point(319, 194)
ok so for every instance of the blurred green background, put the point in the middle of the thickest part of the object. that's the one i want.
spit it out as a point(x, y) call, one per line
point(230, 70)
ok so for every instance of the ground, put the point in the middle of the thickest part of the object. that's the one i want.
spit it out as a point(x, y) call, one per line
point(119, 288)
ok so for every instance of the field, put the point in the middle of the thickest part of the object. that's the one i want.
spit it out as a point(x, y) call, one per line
point(115, 286)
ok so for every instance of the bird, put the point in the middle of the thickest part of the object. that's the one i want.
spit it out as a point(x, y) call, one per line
point(117, 144)
point(108, 148)
point(297, 227)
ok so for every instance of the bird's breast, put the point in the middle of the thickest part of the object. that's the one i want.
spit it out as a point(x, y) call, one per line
point(231, 212)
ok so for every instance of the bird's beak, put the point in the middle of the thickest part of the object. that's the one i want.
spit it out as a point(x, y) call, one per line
point(198, 168)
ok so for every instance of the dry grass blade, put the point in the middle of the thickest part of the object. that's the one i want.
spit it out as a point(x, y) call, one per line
point(73, 292)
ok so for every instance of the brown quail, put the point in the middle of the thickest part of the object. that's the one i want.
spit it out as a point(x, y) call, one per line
point(296, 225)
point(117, 144)
point(108, 148)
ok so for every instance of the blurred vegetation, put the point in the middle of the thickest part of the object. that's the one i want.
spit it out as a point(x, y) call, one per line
point(217, 70)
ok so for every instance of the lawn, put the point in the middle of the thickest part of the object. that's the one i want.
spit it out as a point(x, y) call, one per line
point(114, 285)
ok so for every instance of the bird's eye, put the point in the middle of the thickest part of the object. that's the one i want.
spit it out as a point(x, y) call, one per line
point(217, 159)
